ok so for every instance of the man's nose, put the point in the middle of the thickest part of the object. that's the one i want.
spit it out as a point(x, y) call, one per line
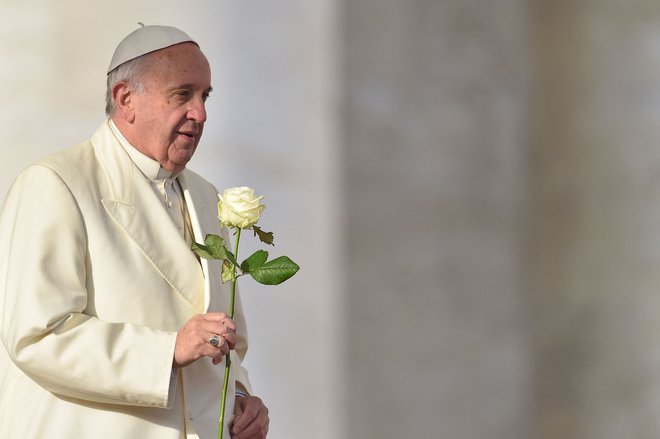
point(197, 111)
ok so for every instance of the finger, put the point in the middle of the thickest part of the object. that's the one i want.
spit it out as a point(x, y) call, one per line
point(256, 429)
point(215, 340)
point(220, 317)
point(253, 418)
point(229, 324)
point(229, 336)
point(216, 316)
point(222, 324)
point(219, 328)
point(231, 339)
point(220, 344)
point(225, 348)
point(218, 359)
point(218, 340)
point(248, 433)
point(221, 353)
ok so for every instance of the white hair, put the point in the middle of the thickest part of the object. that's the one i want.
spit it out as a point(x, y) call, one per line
point(129, 72)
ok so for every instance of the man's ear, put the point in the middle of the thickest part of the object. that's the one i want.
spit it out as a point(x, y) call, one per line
point(123, 94)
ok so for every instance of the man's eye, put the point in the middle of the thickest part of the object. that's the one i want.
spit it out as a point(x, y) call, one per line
point(182, 93)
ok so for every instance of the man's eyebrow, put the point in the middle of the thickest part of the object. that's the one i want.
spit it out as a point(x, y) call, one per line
point(189, 86)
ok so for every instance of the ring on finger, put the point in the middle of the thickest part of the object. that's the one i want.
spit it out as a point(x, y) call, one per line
point(215, 340)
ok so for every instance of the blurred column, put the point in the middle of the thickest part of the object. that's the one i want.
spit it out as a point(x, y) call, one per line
point(595, 229)
point(435, 104)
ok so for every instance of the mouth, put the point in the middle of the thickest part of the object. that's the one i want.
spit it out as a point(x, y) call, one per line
point(187, 134)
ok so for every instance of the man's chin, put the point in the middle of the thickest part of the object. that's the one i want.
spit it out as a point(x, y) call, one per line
point(175, 164)
point(180, 155)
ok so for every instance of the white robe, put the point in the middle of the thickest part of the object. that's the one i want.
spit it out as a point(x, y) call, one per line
point(95, 282)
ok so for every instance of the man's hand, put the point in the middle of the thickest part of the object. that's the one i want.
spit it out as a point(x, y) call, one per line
point(250, 418)
point(192, 340)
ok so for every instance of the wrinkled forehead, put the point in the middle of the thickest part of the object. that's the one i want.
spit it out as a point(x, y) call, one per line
point(182, 63)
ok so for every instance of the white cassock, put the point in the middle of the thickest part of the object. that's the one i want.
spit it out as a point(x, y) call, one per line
point(95, 282)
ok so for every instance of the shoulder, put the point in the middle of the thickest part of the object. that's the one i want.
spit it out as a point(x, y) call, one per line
point(82, 164)
point(39, 192)
point(71, 161)
point(88, 159)
point(70, 171)
point(57, 167)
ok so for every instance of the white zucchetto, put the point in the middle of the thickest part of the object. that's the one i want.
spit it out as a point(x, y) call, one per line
point(147, 39)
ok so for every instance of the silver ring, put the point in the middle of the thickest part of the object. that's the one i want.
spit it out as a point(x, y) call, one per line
point(215, 341)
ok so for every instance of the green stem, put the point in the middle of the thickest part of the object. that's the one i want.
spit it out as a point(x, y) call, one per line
point(233, 278)
point(221, 421)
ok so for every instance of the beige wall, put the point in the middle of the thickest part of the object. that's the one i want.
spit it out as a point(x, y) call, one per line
point(436, 99)
point(502, 165)
point(595, 220)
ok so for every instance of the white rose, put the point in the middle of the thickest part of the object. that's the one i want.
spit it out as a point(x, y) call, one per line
point(239, 207)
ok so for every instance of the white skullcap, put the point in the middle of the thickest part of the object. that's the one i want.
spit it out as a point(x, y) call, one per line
point(144, 40)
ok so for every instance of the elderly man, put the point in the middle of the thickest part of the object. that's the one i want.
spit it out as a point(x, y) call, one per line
point(111, 327)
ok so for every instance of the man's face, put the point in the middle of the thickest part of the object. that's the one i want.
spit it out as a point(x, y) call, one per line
point(170, 110)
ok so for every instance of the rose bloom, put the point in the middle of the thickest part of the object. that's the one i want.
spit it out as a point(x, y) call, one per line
point(239, 207)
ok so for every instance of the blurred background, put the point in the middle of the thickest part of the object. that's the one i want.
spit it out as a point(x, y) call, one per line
point(471, 187)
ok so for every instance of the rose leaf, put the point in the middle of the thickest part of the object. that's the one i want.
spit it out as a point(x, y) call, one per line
point(228, 272)
point(265, 237)
point(275, 272)
point(214, 248)
point(255, 260)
